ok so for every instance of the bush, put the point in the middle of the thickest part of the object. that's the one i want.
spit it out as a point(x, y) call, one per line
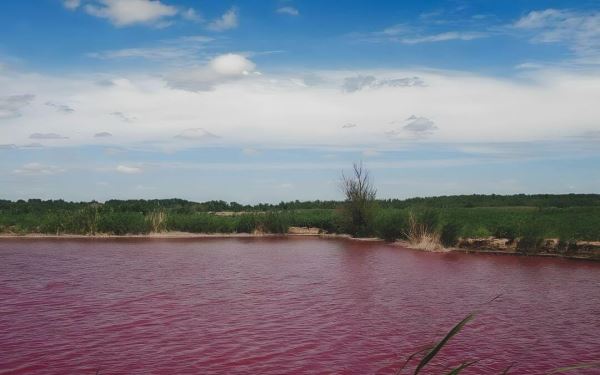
point(201, 223)
point(274, 222)
point(529, 244)
point(391, 225)
point(449, 235)
point(246, 223)
point(429, 219)
point(123, 223)
point(505, 231)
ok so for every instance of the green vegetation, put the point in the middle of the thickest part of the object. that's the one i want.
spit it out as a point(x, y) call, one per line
point(575, 217)
point(359, 207)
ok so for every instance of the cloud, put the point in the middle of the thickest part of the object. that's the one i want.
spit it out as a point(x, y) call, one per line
point(443, 37)
point(9, 146)
point(10, 106)
point(579, 31)
point(191, 15)
point(196, 134)
point(33, 145)
point(414, 128)
point(60, 107)
point(125, 169)
point(123, 117)
point(290, 11)
point(37, 169)
point(359, 82)
point(224, 68)
point(46, 136)
point(102, 135)
point(71, 4)
point(349, 126)
point(229, 20)
point(123, 13)
point(269, 110)
point(187, 48)
point(420, 32)
point(232, 65)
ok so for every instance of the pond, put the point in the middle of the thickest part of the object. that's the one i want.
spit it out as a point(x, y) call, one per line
point(284, 305)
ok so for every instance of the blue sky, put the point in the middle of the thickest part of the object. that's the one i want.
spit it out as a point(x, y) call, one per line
point(269, 100)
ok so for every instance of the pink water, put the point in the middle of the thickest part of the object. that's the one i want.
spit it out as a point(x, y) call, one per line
point(284, 305)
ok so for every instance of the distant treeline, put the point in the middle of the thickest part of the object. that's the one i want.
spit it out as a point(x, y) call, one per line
point(568, 217)
point(184, 206)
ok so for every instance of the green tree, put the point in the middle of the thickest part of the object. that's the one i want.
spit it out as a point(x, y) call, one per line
point(360, 200)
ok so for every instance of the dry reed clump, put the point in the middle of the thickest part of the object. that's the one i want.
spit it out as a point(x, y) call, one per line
point(423, 236)
point(157, 221)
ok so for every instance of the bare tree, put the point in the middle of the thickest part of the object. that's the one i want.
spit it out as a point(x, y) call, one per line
point(360, 199)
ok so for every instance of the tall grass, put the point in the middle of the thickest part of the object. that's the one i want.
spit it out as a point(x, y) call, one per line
point(423, 230)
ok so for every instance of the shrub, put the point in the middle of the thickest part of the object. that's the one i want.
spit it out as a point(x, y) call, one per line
point(529, 244)
point(506, 231)
point(123, 223)
point(246, 223)
point(391, 225)
point(481, 232)
point(449, 234)
point(429, 219)
point(273, 222)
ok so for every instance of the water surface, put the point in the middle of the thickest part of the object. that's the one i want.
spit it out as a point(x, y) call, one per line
point(284, 305)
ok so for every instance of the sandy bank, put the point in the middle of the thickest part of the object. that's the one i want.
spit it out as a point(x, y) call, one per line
point(584, 249)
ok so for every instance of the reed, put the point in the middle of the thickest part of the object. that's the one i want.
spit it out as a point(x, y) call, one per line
point(422, 232)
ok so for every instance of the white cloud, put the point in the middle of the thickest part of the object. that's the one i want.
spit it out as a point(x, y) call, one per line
point(46, 136)
point(580, 31)
point(359, 82)
point(187, 48)
point(270, 110)
point(125, 169)
point(291, 11)
point(191, 15)
point(102, 135)
point(414, 128)
point(232, 65)
point(123, 116)
point(37, 169)
point(224, 68)
point(71, 4)
point(229, 20)
point(33, 145)
point(60, 107)
point(131, 12)
point(443, 37)
point(10, 106)
point(416, 34)
point(196, 134)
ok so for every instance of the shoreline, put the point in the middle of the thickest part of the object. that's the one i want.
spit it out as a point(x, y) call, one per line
point(189, 235)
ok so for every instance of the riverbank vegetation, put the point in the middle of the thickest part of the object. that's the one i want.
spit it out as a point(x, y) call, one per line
point(428, 223)
point(139, 217)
